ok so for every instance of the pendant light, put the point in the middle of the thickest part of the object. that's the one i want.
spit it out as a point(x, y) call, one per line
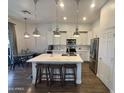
point(36, 33)
point(76, 33)
point(26, 35)
point(56, 32)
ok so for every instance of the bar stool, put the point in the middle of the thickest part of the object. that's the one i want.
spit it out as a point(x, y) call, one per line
point(28, 57)
point(56, 74)
point(70, 72)
point(17, 61)
point(42, 73)
point(23, 60)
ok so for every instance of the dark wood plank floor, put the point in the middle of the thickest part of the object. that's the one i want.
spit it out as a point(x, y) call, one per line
point(20, 82)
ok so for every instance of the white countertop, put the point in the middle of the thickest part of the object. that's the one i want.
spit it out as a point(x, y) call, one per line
point(48, 58)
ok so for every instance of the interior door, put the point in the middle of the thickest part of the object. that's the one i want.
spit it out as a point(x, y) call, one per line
point(111, 56)
point(106, 57)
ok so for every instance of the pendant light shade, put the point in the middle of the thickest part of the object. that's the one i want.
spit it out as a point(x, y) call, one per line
point(36, 33)
point(76, 33)
point(26, 34)
point(57, 33)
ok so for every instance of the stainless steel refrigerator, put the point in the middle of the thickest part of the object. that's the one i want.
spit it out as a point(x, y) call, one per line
point(94, 50)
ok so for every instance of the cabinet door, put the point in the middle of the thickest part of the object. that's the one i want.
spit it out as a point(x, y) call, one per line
point(82, 39)
point(56, 40)
point(63, 38)
point(90, 36)
point(50, 38)
point(84, 55)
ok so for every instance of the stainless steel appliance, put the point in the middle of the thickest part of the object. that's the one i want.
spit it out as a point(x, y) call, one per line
point(71, 46)
point(94, 48)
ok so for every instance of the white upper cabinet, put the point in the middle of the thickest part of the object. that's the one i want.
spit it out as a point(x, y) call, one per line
point(63, 38)
point(90, 36)
point(82, 39)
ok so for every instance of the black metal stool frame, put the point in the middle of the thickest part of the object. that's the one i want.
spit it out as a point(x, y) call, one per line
point(74, 69)
point(39, 73)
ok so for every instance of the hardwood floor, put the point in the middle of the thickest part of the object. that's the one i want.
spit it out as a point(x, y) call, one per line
point(20, 82)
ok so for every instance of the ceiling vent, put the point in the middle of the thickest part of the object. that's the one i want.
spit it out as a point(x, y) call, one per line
point(26, 12)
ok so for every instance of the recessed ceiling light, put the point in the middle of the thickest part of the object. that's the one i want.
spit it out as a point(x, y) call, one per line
point(84, 18)
point(92, 5)
point(61, 4)
point(65, 18)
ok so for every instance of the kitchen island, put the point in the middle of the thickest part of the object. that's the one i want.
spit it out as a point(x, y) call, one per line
point(56, 59)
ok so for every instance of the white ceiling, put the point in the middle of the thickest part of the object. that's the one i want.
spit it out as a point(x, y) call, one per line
point(46, 10)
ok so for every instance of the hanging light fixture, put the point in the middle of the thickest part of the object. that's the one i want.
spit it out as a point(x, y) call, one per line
point(76, 33)
point(26, 35)
point(56, 32)
point(36, 33)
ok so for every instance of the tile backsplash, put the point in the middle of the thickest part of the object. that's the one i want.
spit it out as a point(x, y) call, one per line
point(78, 47)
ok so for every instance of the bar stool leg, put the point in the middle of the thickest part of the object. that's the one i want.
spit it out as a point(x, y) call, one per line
point(74, 70)
point(47, 75)
point(36, 77)
point(64, 76)
point(61, 77)
point(40, 74)
point(51, 77)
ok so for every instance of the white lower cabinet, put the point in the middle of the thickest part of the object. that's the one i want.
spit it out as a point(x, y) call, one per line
point(84, 55)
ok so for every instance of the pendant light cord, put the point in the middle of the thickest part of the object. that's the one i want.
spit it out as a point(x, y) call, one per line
point(35, 44)
point(25, 25)
point(35, 12)
point(56, 13)
point(77, 12)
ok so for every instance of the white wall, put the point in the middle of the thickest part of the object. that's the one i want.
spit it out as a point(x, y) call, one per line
point(38, 44)
point(34, 44)
point(41, 44)
point(104, 28)
point(107, 16)
point(19, 27)
point(96, 29)
point(70, 28)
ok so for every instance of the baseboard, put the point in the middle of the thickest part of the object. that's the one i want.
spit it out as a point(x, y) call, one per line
point(111, 91)
point(98, 76)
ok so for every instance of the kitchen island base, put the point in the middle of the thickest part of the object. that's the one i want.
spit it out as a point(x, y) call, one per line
point(78, 77)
